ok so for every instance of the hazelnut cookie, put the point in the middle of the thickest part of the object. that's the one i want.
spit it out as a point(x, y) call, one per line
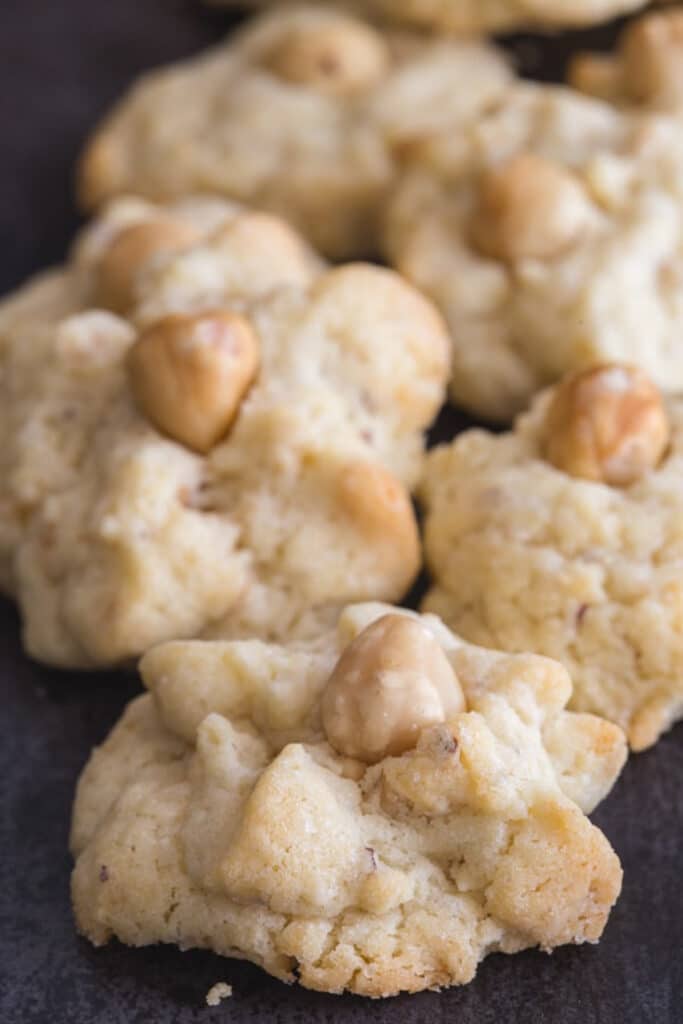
point(550, 234)
point(565, 537)
point(304, 113)
point(373, 811)
point(207, 430)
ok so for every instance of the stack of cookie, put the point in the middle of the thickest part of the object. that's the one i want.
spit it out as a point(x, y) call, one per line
point(214, 422)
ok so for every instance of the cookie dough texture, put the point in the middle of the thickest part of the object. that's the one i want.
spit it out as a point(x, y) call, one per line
point(646, 69)
point(469, 16)
point(526, 557)
point(217, 815)
point(114, 537)
point(550, 235)
point(303, 113)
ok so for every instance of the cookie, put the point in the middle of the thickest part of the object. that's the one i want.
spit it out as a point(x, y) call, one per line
point(646, 69)
point(565, 537)
point(490, 15)
point(301, 113)
point(374, 811)
point(207, 430)
point(550, 234)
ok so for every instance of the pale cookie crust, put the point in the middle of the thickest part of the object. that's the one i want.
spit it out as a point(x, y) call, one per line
point(114, 537)
point(527, 558)
point(301, 113)
point(470, 16)
point(606, 280)
point(645, 71)
point(216, 815)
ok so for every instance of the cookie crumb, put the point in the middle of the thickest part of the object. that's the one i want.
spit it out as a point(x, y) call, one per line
point(217, 992)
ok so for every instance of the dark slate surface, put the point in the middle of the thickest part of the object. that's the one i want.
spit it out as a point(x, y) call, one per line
point(61, 63)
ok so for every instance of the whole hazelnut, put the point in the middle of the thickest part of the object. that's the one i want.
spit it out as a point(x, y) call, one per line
point(339, 58)
point(130, 250)
point(188, 374)
point(606, 423)
point(527, 208)
point(391, 682)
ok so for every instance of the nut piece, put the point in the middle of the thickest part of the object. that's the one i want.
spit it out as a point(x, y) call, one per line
point(652, 58)
point(597, 75)
point(388, 685)
point(339, 59)
point(379, 508)
point(128, 253)
point(188, 374)
point(607, 423)
point(527, 208)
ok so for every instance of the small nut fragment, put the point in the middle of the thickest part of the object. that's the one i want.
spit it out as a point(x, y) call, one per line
point(607, 423)
point(340, 58)
point(188, 374)
point(652, 58)
point(391, 682)
point(130, 250)
point(527, 208)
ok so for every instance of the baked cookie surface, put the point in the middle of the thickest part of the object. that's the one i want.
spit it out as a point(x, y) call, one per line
point(230, 450)
point(565, 537)
point(300, 113)
point(645, 71)
point(470, 16)
point(550, 235)
point(374, 811)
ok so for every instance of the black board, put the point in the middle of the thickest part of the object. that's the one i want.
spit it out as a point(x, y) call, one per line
point(61, 64)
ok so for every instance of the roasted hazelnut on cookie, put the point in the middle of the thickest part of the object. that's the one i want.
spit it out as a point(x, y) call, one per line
point(527, 208)
point(188, 374)
point(393, 681)
point(337, 58)
point(130, 250)
point(606, 423)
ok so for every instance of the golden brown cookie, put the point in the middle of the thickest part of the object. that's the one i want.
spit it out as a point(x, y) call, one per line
point(207, 431)
point(238, 807)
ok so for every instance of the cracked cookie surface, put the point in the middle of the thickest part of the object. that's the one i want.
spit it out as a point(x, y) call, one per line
point(140, 501)
point(302, 113)
point(219, 813)
point(550, 235)
point(530, 555)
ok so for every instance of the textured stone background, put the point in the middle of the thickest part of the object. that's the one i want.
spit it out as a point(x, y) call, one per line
point(61, 63)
